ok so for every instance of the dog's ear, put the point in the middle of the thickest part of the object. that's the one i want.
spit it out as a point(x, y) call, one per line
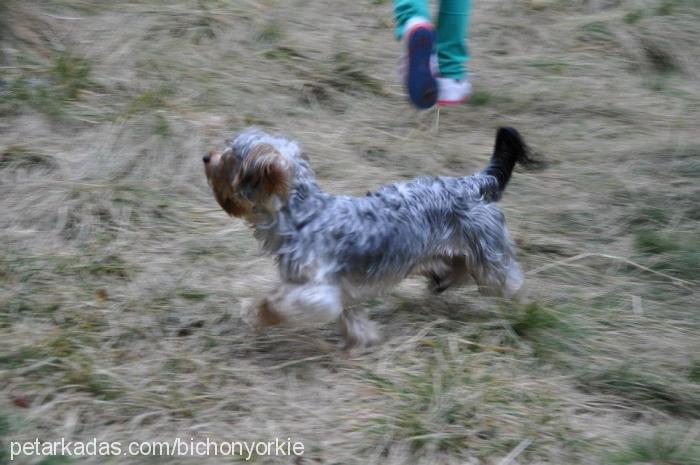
point(264, 173)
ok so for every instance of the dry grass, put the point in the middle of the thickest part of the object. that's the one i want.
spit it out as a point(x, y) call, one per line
point(122, 284)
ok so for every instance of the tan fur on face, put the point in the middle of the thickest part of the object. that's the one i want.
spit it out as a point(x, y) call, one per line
point(221, 172)
point(239, 187)
point(265, 171)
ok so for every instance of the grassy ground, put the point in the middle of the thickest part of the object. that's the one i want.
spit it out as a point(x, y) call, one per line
point(122, 284)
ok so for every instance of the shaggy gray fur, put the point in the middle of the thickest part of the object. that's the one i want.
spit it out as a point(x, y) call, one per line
point(337, 249)
point(388, 234)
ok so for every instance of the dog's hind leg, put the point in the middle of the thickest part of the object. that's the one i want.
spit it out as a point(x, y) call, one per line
point(301, 304)
point(490, 258)
point(502, 279)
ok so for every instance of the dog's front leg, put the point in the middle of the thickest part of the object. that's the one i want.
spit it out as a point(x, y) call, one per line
point(301, 304)
point(357, 329)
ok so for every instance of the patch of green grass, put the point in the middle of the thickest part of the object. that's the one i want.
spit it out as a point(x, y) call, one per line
point(426, 414)
point(541, 248)
point(178, 364)
point(534, 318)
point(348, 75)
point(17, 156)
point(192, 294)
point(85, 267)
point(665, 7)
point(556, 67)
point(255, 120)
point(573, 221)
point(545, 329)
point(480, 97)
point(433, 407)
point(634, 16)
point(3, 14)
point(694, 371)
point(34, 93)
point(27, 304)
point(196, 252)
point(131, 195)
point(61, 345)
point(653, 242)
point(111, 265)
point(312, 93)
point(690, 168)
point(648, 217)
point(198, 25)
point(663, 392)
point(161, 127)
point(677, 255)
point(204, 27)
point(22, 357)
point(685, 261)
point(4, 426)
point(659, 55)
point(596, 32)
point(270, 32)
point(655, 82)
point(152, 99)
point(85, 379)
point(660, 448)
point(4, 268)
point(51, 90)
point(378, 380)
point(283, 53)
point(4, 431)
point(71, 74)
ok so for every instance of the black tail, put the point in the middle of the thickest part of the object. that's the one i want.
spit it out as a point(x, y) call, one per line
point(509, 150)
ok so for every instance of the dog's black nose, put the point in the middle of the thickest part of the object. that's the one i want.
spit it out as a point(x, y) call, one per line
point(206, 158)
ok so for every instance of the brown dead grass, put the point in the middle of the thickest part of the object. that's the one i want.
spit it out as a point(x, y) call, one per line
point(123, 285)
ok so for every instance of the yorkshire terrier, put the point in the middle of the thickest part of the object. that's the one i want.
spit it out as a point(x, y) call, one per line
point(335, 250)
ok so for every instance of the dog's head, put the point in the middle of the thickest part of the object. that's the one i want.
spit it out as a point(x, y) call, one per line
point(251, 174)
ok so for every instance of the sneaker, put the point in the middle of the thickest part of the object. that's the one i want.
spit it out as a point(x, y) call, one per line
point(453, 91)
point(419, 36)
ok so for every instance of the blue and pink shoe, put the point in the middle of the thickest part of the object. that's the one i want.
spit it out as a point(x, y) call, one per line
point(419, 37)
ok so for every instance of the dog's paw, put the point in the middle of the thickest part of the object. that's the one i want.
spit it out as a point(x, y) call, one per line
point(260, 315)
point(361, 333)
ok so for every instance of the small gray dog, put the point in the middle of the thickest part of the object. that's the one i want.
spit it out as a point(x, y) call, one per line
point(333, 250)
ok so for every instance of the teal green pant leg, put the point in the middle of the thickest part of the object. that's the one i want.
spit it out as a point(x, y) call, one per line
point(407, 9)
point(452, 26)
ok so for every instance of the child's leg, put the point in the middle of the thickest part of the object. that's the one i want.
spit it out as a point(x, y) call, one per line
point(407, 9)
point(452, 26)
point(413, 26)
